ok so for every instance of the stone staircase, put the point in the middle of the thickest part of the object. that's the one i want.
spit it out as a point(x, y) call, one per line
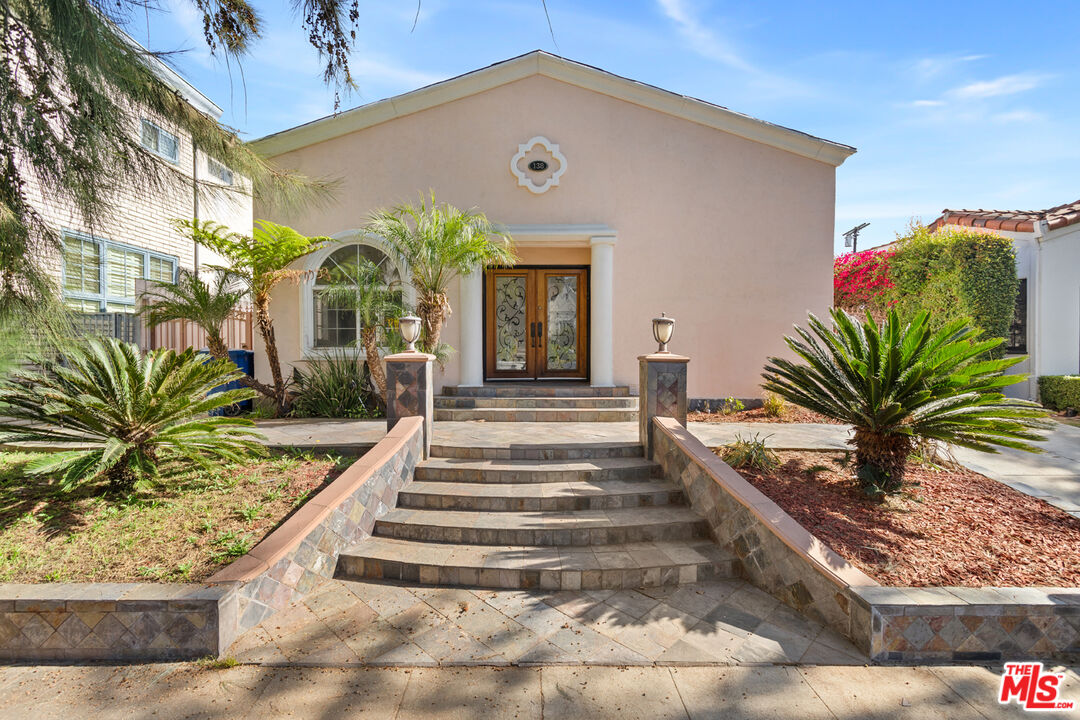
point(585, 516)
point(537, 403)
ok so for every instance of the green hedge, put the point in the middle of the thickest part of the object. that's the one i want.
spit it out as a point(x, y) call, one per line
point(1059, 392)
point(955, 273)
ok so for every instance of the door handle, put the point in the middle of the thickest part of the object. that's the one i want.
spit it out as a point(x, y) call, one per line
point(532, 334)
point(540, 333)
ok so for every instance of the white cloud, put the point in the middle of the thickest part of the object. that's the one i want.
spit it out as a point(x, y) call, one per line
point(932, 66)
point(1018, 116)
point(702, 39)
point(928, 103)
point(1004, 85)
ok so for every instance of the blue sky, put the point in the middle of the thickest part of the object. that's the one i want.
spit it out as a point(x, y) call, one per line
point(951, 104)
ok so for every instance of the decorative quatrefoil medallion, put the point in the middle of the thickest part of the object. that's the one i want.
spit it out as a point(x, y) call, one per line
point(538, 165)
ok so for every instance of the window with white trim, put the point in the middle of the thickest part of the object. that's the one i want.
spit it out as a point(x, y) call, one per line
point(100, 276)
point(338, 327)
point(219, 170)
point(160, 142)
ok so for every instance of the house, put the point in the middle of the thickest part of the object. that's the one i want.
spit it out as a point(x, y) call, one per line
point(103, 268)
point(1047, 321)
point(624, 201)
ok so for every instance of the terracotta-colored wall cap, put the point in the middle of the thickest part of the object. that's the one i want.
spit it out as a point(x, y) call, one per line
point(409, 357)
point(830, 563)
point(300, 524)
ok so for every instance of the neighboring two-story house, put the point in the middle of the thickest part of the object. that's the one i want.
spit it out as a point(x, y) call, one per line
point(101, 266)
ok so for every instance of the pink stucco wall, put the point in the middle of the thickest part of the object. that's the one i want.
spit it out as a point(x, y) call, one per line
point(731, 237)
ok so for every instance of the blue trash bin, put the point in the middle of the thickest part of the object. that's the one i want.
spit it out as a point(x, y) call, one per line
point(245, 360)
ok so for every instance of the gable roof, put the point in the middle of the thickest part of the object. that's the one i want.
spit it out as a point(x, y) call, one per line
point(584, 76)
point(1011, 220)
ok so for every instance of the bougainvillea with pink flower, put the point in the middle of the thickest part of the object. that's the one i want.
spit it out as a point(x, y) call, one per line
point(861, 280)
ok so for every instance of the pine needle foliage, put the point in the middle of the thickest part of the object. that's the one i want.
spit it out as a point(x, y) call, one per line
point(134, 416)
point(899, 382)
point(73, 88)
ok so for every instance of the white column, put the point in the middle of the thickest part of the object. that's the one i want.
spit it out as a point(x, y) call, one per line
point(472, 328)
point(602, 310)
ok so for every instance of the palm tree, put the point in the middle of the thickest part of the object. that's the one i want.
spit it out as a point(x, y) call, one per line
point(193, 299)
point(374, 300)
point(899, 382)
point(135, 414)
point(260, 261)
point(438, 243)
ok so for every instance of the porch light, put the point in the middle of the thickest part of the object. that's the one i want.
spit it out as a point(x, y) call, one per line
point(662, 328)
point(410, 331)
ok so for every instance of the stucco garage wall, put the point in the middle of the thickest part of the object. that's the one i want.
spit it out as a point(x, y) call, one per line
point(731, 237)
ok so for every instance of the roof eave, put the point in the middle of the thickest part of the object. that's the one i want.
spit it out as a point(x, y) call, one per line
point(569, 71)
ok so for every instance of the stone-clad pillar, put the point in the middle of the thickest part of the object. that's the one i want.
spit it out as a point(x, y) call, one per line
point(662, 393)
point(410, 391)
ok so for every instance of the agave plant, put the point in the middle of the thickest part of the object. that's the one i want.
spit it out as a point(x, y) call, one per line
point(132, 416)
point(899, 383)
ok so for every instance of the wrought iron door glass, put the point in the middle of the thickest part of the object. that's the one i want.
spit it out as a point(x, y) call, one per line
point(511, 333)
point(562, 322)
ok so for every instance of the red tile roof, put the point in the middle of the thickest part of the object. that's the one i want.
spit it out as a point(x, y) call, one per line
point(1011, 220)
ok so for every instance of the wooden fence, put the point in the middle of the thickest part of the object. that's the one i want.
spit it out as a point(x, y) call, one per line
point(182, 334)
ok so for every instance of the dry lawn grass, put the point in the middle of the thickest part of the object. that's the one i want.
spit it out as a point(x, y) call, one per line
point(182, 531)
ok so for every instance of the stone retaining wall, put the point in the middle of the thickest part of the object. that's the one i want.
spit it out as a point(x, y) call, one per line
point(777, 554)
point(143, 621)
point(890, 624)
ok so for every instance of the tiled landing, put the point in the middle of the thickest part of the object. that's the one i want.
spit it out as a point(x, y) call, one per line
point(713, 623)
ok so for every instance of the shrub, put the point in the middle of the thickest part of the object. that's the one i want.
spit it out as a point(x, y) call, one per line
point(1060, 392)
point(138, 415)
point(954, 274)
point(774, 405)
point(896, 383)
point(749, 453)
point(861, 280)
point(731, 405)
point(336, 385)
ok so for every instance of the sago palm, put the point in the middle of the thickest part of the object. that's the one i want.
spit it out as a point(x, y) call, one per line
point(131, 415)
point(261, 260)
point(899, 382)
point(439, 242)
point(191, 298)
point(367, 293)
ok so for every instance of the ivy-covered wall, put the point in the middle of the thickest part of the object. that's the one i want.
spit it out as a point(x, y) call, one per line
point(952, 273)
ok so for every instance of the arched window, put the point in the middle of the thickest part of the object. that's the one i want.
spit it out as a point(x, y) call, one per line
point(336, 327)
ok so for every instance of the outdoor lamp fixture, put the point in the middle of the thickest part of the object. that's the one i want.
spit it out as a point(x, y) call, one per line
point(662, 328)
point(410, 331)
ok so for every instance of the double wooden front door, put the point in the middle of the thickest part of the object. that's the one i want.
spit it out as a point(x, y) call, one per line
point(537, 324)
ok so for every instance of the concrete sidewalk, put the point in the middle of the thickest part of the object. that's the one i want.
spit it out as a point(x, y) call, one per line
point(741, 693)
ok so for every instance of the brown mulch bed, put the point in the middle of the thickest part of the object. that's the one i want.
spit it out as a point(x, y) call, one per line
point(183, 531)
point(793, 414)
point(956, 527)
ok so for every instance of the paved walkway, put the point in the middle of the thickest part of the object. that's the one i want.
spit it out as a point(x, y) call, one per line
point(716, 623)
point(565, 693)
point(364, 433)
point(1053, 475)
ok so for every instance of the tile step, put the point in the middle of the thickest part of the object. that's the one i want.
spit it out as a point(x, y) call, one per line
point(445, 402)
point(540, 451)
point(495, 471)
point(581, 528)
point(536, 390)
point(537, 415)
point(603, 567)
point(537, 497)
